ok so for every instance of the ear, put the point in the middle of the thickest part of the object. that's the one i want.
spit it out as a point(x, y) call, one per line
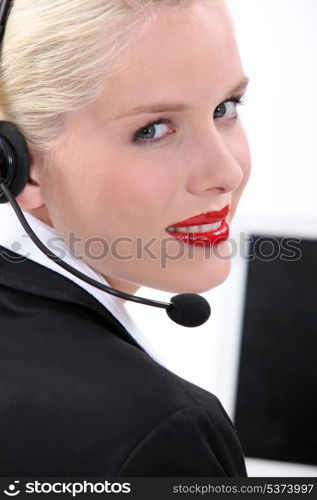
point(32, 197)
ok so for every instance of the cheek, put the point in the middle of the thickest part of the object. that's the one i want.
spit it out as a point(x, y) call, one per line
point(119, 195)
point(136, 197)
point(242, 155)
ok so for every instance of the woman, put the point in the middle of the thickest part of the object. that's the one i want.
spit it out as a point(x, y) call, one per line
point(132, 128)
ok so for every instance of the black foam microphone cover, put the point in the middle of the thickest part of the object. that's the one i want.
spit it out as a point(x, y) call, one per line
point(189, 309)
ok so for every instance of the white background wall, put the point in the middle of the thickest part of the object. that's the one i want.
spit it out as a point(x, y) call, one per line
point(278, 45)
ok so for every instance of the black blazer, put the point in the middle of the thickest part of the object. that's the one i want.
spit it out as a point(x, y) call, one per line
point(80, 397)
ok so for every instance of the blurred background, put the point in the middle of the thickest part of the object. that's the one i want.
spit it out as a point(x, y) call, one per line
point(257, 352)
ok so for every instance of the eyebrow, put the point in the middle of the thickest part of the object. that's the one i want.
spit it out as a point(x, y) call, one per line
point(163, 107)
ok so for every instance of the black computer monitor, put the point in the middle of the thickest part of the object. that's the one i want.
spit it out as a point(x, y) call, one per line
point(276, 398)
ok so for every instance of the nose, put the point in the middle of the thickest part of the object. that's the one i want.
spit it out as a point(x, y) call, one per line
point(212, 165)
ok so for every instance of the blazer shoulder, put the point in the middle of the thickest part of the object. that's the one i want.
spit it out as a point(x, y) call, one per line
point(193, 441)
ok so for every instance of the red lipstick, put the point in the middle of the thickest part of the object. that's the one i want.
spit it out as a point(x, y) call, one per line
point(216, 230)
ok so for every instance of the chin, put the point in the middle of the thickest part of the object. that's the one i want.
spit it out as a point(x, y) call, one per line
point(198, 281)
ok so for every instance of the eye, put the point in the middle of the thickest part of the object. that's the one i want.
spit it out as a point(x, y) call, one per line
point(234, 101)
point(153, 131)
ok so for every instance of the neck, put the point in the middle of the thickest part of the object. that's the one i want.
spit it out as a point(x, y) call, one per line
point(123, 286)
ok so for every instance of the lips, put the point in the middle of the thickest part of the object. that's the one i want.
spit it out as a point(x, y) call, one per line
point(204, 218)
point(206, 229)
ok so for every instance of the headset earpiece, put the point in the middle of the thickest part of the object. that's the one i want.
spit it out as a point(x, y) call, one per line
point(14, 160)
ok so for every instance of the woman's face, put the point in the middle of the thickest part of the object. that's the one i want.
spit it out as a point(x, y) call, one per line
point(115, 186)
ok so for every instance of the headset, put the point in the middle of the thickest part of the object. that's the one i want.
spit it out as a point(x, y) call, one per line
point(186, 309)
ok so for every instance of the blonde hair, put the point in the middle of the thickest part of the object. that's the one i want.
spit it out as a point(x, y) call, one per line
point(56, 57)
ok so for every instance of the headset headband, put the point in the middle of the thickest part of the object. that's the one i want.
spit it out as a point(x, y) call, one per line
point(4, 12)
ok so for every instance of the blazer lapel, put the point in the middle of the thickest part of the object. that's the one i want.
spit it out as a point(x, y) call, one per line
point(20, 273)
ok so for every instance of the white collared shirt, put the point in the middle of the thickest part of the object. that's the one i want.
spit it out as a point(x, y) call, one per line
point(14, 238)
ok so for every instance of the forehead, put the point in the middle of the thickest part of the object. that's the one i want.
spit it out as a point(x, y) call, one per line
point(180, 53)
